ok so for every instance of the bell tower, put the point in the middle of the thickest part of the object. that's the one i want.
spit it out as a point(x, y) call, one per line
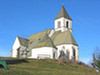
point(63, 21)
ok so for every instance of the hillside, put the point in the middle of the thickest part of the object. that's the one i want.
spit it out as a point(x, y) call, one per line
point(43, 67)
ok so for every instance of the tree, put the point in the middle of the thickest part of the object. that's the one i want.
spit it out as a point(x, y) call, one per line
point(96, 59)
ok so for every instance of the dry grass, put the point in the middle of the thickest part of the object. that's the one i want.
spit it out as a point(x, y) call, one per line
point(65, 61)
point(44, 67)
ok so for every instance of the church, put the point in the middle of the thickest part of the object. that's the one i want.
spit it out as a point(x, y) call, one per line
point(51, 43)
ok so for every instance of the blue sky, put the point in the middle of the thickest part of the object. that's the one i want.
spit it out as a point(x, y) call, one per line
point(26, 17)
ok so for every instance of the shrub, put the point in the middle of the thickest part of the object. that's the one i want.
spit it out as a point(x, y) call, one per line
point(61, 60)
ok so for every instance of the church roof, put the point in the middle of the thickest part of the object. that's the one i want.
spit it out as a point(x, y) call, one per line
point(23, 41)
point(42, 39)
point(36, 40)
point(63, 38)
point(45, 42)
point(63, 13)
point(38, 35)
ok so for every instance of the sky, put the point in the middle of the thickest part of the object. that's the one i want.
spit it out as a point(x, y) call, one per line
point(25, 17)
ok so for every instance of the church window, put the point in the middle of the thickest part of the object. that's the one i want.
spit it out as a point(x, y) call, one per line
point(18, 52)
point(59, 24)
point(74, 53)
point(67, 24)
point(53, 55)
point(67, 53)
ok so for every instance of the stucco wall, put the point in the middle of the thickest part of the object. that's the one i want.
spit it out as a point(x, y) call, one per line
point(63, 24)
point(16, 45)
point(42, 50)
point(68, 47)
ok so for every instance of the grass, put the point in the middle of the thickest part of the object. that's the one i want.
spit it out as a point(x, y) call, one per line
point(43, 67)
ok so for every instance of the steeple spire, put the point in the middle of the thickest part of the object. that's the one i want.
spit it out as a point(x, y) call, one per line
point(63, 22)
point(63, 13)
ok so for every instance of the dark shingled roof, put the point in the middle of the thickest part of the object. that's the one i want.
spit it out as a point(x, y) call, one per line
point(23, 41)
point(45, 42)
point(63, 13)
point(35, 39)
point(63, 38)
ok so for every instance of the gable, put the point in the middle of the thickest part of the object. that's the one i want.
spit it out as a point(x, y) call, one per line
point(35, 39)
point(23, 41)
point(45, 42)
point(16, 44)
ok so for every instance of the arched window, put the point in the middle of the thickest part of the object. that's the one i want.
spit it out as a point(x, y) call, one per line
point(62, 54)
point(68, 54)
point(18, 52)
point(59, 24)
point(54, 55)
point(66, 24)
point(74, 54)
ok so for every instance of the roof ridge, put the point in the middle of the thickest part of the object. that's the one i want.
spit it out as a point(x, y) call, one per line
point(40, 32)
point(23, 41)
point(22, 38)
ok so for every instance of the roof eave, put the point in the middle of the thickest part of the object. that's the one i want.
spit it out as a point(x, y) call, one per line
point(64, 17)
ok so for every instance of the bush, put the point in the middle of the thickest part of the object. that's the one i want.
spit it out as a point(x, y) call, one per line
point(63, 60)
point(87, 66)
point(66, 61)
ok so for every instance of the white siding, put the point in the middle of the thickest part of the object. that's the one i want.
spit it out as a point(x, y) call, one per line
point(68, 47)
point(63, 24)
point(16, 45)
point(42, 50)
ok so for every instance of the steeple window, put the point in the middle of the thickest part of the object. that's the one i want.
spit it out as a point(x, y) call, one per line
point(67, 24)
point(74, 53)
point(59, 24)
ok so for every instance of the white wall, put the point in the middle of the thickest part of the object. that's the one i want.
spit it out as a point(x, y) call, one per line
point(63, 24)
point(16, 45)
point(42, 50)
point(68, 47)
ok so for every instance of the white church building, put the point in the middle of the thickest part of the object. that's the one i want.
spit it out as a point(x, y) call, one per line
point(52, 43)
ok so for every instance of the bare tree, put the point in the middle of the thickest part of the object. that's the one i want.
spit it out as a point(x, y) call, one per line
point(96, 59)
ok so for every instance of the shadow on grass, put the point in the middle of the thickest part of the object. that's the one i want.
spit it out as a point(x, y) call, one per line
point(1, 67)
point(18, 61)
point(11, 62)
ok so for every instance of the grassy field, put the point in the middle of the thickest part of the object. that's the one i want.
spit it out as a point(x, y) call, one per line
point(43, 67)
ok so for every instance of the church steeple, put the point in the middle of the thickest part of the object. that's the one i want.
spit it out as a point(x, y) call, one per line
point(63, 13)
point(63, 21)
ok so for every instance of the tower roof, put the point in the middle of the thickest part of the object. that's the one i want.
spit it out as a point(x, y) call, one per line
point(66, 37)
point(63, 13)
